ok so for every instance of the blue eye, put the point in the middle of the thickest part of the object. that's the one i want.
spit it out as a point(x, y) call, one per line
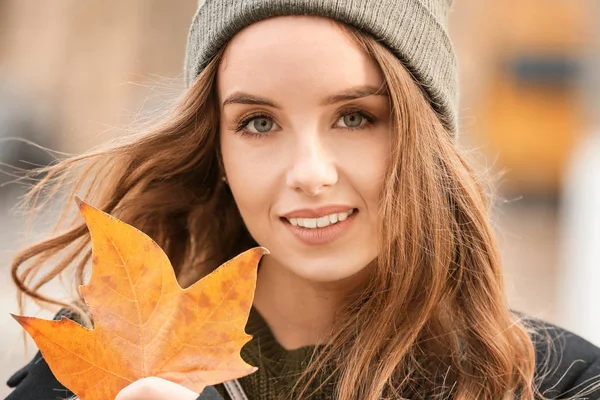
point(353, 120)
point(257, 124)
point(260, 125)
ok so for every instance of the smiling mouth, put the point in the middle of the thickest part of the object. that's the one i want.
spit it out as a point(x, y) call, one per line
point(322, 222)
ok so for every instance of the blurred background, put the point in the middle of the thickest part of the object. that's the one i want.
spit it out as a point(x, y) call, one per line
point(73, 72)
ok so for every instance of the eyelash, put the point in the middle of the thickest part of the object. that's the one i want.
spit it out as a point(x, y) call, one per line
point(242, 122)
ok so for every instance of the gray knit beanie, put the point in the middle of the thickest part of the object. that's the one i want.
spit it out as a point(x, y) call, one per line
point(414, 30)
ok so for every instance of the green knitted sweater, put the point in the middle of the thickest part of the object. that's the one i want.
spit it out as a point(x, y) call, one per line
point(278, 368)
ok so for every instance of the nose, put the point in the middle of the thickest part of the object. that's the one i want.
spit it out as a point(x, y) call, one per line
point(313, 170)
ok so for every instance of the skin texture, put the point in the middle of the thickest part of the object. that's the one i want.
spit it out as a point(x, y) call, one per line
point(309, 158)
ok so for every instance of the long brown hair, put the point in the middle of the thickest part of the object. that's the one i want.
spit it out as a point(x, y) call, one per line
point(441, 328)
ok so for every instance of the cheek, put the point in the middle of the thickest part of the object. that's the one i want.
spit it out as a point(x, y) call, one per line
point(252, 164)
point(365, 168)
point(252, 174)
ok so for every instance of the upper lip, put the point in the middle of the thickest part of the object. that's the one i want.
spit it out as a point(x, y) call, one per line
point(317, 212)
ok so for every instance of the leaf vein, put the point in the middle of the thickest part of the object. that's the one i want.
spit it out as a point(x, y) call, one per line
point(183, 343)
point(89, 361)
point(134, 296)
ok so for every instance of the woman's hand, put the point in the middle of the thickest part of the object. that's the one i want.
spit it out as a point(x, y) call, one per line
point(156, 389)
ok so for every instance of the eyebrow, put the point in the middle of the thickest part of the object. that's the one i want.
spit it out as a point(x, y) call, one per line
point(346, 95)
point(354, 93)
point(245, 98)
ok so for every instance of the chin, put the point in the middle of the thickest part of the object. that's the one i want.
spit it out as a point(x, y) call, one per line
point(324, 272)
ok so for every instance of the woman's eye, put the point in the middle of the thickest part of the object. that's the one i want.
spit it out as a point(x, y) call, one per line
point(260, 125)
point(352, 120)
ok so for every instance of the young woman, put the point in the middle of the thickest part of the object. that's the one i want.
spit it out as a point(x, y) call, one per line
point(323, 130)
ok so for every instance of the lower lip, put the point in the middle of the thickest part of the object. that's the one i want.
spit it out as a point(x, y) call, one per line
point(321, 236)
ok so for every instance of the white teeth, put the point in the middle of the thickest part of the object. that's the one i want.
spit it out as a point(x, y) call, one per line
point(308, 222)
point(323, 221)
point(313, 223)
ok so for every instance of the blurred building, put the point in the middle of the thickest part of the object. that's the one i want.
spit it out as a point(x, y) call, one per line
point(90, 63)
point(522, 67)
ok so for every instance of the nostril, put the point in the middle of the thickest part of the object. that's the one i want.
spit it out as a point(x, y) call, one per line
point(315, 191)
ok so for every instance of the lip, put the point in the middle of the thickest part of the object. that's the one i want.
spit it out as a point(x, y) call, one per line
point(317, 212)
point(321, 236)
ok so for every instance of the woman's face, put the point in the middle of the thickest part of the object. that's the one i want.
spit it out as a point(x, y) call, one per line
point(305, 136)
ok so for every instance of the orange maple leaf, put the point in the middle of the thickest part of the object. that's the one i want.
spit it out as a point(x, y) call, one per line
point(144, 323)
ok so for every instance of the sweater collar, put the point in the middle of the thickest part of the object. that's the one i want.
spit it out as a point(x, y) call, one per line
point(271, 351)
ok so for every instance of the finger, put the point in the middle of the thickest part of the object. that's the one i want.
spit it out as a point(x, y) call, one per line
point(153, 388)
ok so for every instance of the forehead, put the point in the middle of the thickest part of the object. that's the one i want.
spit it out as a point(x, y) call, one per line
point(290, 53)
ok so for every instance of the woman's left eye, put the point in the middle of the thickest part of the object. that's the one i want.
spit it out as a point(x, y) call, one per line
point(353, 120)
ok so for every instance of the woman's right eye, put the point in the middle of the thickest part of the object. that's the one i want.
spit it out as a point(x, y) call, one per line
point(259, 125)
